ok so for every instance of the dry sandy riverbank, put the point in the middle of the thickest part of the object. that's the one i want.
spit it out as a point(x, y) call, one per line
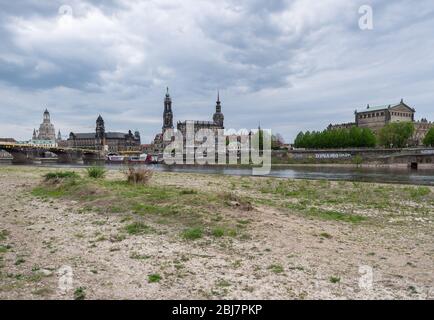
point(260, 239)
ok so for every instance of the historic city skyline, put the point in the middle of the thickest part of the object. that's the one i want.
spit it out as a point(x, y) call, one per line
point(321, 65)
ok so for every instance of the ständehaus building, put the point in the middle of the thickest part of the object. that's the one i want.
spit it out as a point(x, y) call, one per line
point(376, 117)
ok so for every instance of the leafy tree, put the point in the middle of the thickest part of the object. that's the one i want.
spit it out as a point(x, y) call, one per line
point(429, 138)
point(396, 134)
point(277, 141)
point(338, 138)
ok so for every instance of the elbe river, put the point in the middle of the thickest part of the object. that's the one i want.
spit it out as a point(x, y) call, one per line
point(381, 175)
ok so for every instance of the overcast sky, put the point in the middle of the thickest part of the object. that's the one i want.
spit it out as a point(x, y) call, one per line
point(289, 64)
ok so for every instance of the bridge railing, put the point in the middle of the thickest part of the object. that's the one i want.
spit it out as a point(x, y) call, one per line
point(8, 145)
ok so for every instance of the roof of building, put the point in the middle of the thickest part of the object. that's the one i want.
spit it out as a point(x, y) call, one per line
point(384, 107)
point(84, 135)
point(115, 135)
point(198, 122)
point(108, 135)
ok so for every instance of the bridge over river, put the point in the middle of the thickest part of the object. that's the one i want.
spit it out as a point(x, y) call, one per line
point(30, 154)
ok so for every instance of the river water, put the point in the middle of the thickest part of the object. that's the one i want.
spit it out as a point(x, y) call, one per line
point(382, 175)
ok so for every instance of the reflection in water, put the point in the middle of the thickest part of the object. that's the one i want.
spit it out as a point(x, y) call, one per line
point(421, 177)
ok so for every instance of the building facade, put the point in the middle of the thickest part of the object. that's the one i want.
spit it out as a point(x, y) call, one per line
point(214, 125)
point(112, 142)
point(46, 129)
point(376, 117)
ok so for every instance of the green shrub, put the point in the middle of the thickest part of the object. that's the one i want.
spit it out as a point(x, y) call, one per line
point(96, 172)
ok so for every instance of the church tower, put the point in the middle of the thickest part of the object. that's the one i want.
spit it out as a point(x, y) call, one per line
point(46, 129)
point(168, 114)
point(100, 131)
point(218, 115)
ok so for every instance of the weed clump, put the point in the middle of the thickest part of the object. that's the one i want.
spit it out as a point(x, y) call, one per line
point(138, 175)
point(192, 234)
point(96, 172)
point(59, 176)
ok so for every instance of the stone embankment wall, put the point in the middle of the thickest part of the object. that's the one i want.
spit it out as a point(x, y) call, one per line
point(390, 157)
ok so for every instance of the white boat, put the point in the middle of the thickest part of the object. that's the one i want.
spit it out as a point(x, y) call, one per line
point(115, 158)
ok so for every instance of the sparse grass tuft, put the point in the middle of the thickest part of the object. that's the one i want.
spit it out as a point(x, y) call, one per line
point(3, 234)
point(80, 293)
point(96, 172)
point(218, 232)
point(193, 234)
point(137, 228)
point(419, 192)
point(60, 175)
point(276, 268)
point(334, 279)
point(152, 278)
point(138, 175)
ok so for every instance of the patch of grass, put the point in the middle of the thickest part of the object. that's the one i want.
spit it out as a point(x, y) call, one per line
point(96, 172)
point(325, 235)
point(276, 268)
point(223, 283)
point(3, 249)
point(118, 237)
point(334, 279)
point(19, 261)
point(138, 256)
point(59, 175)
point(155, 277)
point(43, 292)
point(335, 215)
point(218, 232)
point(137, 228)
point(188, 191)
point(80, 293)
point(193, 233)
point(419, 192)
point(3, 235)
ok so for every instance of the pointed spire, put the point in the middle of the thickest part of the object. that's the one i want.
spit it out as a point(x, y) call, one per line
point(218, 96)
point(167, 92)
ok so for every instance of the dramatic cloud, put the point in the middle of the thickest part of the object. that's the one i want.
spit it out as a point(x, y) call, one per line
point(291, 65)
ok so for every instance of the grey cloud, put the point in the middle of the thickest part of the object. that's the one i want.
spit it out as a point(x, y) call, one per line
point(292, 65)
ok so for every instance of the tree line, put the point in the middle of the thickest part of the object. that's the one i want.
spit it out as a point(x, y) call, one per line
point(392, 135)
point(337, 138)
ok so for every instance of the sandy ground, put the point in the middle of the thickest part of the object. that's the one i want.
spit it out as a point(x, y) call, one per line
point(285, 257)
